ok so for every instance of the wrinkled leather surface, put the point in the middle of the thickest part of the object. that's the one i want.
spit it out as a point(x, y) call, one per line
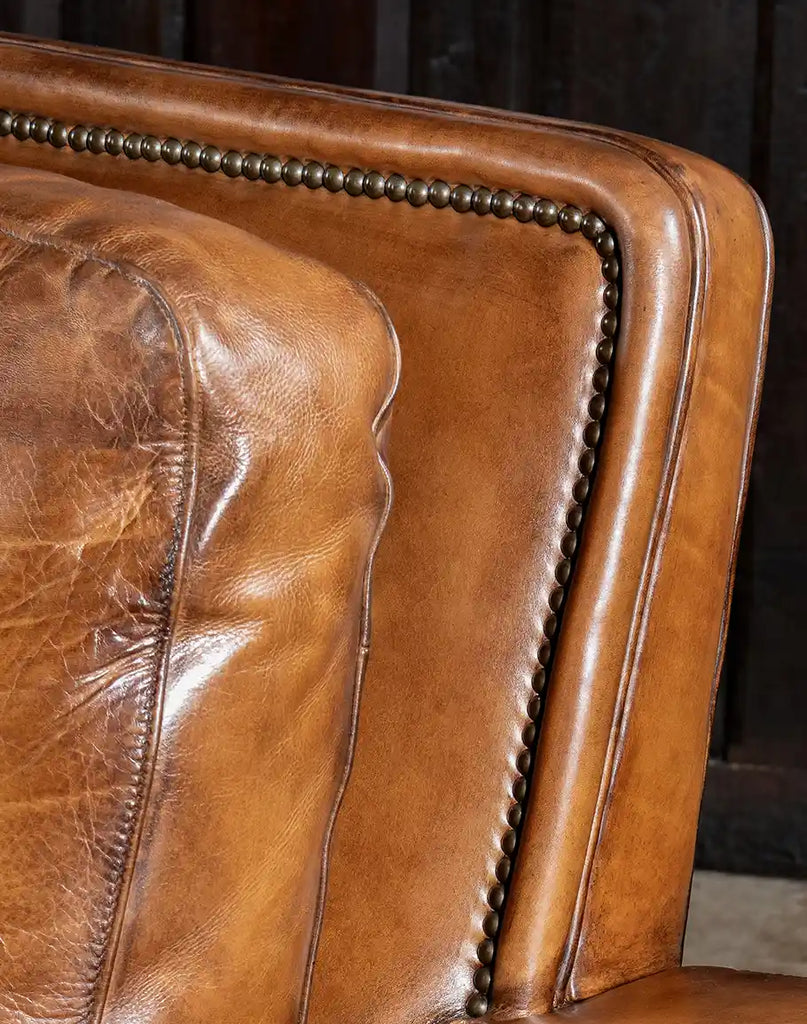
point(692, 995)
point(496, 324)
point(192, 494)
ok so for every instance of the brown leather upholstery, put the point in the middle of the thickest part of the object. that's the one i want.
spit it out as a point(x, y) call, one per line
point(693, 995)
point(505, 308)
point(191, 495)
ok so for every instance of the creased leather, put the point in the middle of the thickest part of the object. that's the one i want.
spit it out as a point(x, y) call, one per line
point(191, 426)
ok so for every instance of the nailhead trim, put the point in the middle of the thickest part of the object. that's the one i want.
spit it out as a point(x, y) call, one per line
point(461, 198)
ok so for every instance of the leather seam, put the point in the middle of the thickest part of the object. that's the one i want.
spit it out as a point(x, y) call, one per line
point(363, 641)
point(128, 834)
point(524, 208)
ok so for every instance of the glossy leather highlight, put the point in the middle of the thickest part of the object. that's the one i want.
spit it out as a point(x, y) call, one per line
point(194, 496)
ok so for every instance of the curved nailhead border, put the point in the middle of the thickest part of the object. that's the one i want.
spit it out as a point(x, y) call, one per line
point(461, 198)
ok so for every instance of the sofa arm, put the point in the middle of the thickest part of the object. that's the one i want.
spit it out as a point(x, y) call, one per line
point(692, 995)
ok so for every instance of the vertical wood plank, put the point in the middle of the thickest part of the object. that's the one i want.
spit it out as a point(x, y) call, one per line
point(32, 17)
point(771, 724)
point(392, 50)
point(474, 52)
point(142, 26)
point(682, 72)
point(305, 39)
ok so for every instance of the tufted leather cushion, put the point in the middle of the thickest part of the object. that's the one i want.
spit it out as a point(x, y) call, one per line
point(192, 494)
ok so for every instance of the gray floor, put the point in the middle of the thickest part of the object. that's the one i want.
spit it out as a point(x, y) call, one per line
point(755, 924)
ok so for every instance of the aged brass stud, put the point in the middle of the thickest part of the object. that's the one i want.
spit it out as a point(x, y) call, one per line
point(395, 188)
point(462, 197)
point(417, 193)
point(504, 865)
point(251, 167)
point(509, 838)
point(514, 820)
point(605, 244)
point(528, 735)
point(538, 679)
point(586, 462)
point(563, 571)
point(608, 324)
point(580, 490)
point(40, 129)
point(191, 154)
point(439, 194)
point(591, 434)
point(58, 135)
point(605, 350)
point(546, 213)
point(313, 174)
point(523, 762)
point(485, 951)
point(96, 140)
point(232, 163)
point(374, 184)
point(77, 137)
point(556, 596)
point(6, 121)
point(152, 149)
point(519, 792)
point(271, 169)
point(550, 626)
point(21, 127)
point(482, 200)
point(292, 172)
point(544, 653)
point(610, 269)
point(534, 707)
point(600, 378)
point(170, 151)
point(570, 219)
point(354, 182)
point(569, 544)
point(490, 923)
point(333, 179)
point(591, 226)
point(596, 407)
point(131, 144)
point(610, 296)
point(482, 979)
point(210, 159)
point(114, 142)
point(477, 1005)
point(502, 204)
point(524, 208)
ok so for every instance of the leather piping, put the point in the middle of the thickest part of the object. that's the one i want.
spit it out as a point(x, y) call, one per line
point(293, 172)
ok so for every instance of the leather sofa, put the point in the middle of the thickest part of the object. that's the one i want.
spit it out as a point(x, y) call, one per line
point(195, 398)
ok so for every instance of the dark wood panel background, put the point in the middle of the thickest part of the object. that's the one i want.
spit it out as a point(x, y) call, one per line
point(725, 77)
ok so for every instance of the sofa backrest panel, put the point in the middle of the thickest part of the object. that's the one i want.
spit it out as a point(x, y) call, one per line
point(477, 837)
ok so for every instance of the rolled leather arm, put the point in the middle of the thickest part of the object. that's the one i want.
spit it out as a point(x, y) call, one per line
point(692, 995)
point(190, 424)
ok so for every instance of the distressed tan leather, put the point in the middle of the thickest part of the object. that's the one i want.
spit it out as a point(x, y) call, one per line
point(500, 323)
point(192, 493)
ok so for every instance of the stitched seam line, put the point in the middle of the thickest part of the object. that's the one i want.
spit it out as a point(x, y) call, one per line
point(461, 198)
point(146, 728)
point(363, 648)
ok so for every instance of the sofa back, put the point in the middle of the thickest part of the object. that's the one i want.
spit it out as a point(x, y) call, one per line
point(581, 315)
